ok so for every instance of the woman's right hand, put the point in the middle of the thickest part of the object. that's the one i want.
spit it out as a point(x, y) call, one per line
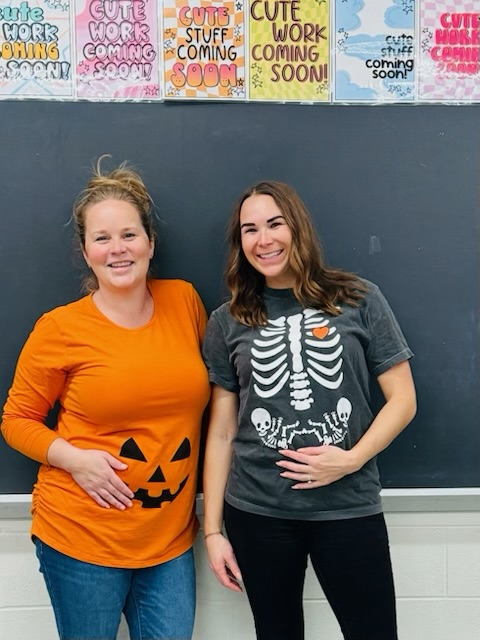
point(94, 471)
point(222, 561)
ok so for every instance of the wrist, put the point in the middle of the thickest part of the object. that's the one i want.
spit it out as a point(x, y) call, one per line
point(212, 533)
point(63, 455)
point(355, 461)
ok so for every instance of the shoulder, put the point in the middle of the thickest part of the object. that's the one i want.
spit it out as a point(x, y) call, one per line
point(376, 312)
point(371, 289)
point(222, 316)
point(170, 285)
point(174, 290)
point(222, 311)
point(53, 327)
point(67, 312)
point(179, 298)
point(371, 308)
point(372, 296)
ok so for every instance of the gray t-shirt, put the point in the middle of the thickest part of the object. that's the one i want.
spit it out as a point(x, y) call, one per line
point(302, 380)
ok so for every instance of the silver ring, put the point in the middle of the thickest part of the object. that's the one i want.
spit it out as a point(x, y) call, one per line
point(309, 479)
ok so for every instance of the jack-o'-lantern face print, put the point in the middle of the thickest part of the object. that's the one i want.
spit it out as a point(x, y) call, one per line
point(164, 473)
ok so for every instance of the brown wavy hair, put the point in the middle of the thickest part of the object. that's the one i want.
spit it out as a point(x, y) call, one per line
point(121, 183)
point(316, 285)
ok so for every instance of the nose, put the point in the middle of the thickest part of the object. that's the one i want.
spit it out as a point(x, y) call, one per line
point(264, 236)
point(117, 245)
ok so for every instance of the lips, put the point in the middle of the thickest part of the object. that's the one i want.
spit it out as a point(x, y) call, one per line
point(120, 265)
point(272, 254)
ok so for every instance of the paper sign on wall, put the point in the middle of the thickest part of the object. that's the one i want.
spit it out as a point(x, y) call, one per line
point(374, 50)
point(449, 54)
point(117, 49)
point(35, 51)
point(204, 49)
point(289, 50)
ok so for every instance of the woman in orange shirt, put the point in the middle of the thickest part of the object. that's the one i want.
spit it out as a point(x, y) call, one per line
point(113, 507)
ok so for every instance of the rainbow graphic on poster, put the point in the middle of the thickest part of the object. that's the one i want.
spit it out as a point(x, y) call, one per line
point(289, 44)
point(35, 49)
point(204, 49)
point(449, 52)
point(117, 50)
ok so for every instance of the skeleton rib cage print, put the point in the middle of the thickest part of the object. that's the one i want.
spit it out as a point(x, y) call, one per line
point(298, 350)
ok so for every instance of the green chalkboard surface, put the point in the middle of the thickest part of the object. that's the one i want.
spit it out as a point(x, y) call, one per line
point(394, 191)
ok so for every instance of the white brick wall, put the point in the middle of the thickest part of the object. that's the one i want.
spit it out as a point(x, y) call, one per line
point(436, 559)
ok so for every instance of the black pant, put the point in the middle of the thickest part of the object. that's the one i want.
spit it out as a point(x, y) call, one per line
point(351, 559)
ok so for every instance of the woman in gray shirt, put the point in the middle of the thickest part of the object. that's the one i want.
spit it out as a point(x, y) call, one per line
point(290, 460)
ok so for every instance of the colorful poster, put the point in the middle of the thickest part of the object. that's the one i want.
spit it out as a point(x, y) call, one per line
point(204, 49)
point(117, 49)
point(449, 55)
point(374, 50)
point(289, 50)
point(35, 51)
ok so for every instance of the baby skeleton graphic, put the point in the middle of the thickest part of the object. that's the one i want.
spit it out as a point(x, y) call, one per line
point(277, 359)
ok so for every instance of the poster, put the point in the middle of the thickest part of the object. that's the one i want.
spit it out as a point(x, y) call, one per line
point(204, 49)
point(35, 49)
point(117, 49)
point(374, 50)
point(289, 44)
point(449, 55)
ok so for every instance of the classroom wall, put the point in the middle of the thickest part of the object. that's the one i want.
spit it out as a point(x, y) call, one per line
point(393, 190)
point(436, 559)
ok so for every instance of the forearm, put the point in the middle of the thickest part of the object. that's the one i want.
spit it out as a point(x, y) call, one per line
point(35, 440)
point(218, 456)
point(399, 409)
point(30, 437)
point(63, 455)
point(394, 416)
point(38, 383)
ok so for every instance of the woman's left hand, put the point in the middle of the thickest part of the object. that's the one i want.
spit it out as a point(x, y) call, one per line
point(314, 467)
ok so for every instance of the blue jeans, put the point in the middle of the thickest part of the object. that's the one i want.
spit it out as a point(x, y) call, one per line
point(158, 602)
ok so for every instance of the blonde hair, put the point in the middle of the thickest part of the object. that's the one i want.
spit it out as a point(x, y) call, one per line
point(121, 183)
point(316, 285)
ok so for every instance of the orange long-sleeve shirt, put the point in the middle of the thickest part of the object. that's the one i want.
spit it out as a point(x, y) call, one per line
point(138, 394)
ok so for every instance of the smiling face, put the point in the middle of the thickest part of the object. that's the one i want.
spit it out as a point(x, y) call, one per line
point(117, 247)
point(267, 240)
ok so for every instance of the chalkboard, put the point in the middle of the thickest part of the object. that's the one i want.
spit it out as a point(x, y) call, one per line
point(395, 195)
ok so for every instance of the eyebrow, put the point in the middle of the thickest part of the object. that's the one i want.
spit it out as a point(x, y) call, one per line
point(252, 224)
point(121, 230)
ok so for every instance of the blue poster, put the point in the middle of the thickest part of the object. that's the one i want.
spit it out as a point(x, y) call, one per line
point(374, 50)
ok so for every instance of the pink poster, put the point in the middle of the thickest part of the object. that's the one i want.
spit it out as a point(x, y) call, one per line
point(117, 49)
point(449, 52)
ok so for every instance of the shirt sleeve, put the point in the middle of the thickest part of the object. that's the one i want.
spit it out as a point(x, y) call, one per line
point(200, 313)
point(217, 357)
point(387, 345)
point(37, 384)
